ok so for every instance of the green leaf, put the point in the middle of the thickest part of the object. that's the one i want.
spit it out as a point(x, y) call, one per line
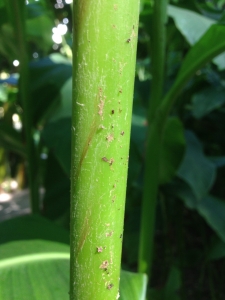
point(8, 47)
point(32, 227)
point(132, 286)
point(212, 209)
point(173, 285)
point(138, 135)
point(57, 137)
point(47, 77)
point(35, 10)
point(196, 170)
point(217, 250)
point(34, 270)
point(206, 101)
point(210, 45)
point(64, 106)
point(191, 24)
point(38, 269)
point(11, 139)
point(56, 201)
point(200, 54)
point(173, 147)
point(39, 30)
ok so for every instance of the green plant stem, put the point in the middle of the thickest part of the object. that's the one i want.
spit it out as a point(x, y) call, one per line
point(158, 42)
point(149, 199)
point(20, 34)
point(154, 140)
point(105, 39)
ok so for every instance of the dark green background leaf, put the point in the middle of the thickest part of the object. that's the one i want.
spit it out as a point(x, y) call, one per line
point(173, 148)
point(196, 170)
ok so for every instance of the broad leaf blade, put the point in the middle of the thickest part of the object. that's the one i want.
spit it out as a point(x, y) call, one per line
point(212, 210)
point(32, 227)
point(191, 24)
point(207, 100)
point(210, 45)
point(39, 269)
point(200, 54)
point(217, 250)
point(132, 286)
point(173, 147)
point(34, 270)
point(196, 170)
point(11, 139)
point(57, 137)
point(173, 285)
point(47, 76)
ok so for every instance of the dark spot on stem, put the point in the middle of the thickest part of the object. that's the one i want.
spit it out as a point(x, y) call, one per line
point(109, 286)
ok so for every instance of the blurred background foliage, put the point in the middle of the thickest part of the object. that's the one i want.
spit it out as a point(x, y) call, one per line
point(190, 225)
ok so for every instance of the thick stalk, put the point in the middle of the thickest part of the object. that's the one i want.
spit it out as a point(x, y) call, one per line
point(17, 15)
point(105, 39)
point(154, 140)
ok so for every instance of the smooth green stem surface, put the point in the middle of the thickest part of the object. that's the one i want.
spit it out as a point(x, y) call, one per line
point(18, 20)
point(154, 140)
point(105, 39)
point(149, 199)
point(158, 42)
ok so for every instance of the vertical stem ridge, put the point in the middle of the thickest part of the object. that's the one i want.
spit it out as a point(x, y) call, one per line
point(18, 20)
point(156, 120)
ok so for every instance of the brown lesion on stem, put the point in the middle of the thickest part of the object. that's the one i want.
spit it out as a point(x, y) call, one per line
point(110, 137)
point(83, 236)
point(101, 102)
point(86, 147)
point(104, 265)
point(93, 129)
point(99, 105)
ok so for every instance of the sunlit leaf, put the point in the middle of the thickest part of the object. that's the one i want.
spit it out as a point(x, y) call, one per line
point(38, 269)
point(193, 25)
point(132, 286)
point(34, 270)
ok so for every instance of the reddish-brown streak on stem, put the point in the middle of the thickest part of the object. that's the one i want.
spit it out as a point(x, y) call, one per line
point(91, 133)
point(83, 236)
point(85, 229)
point(86, 146)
